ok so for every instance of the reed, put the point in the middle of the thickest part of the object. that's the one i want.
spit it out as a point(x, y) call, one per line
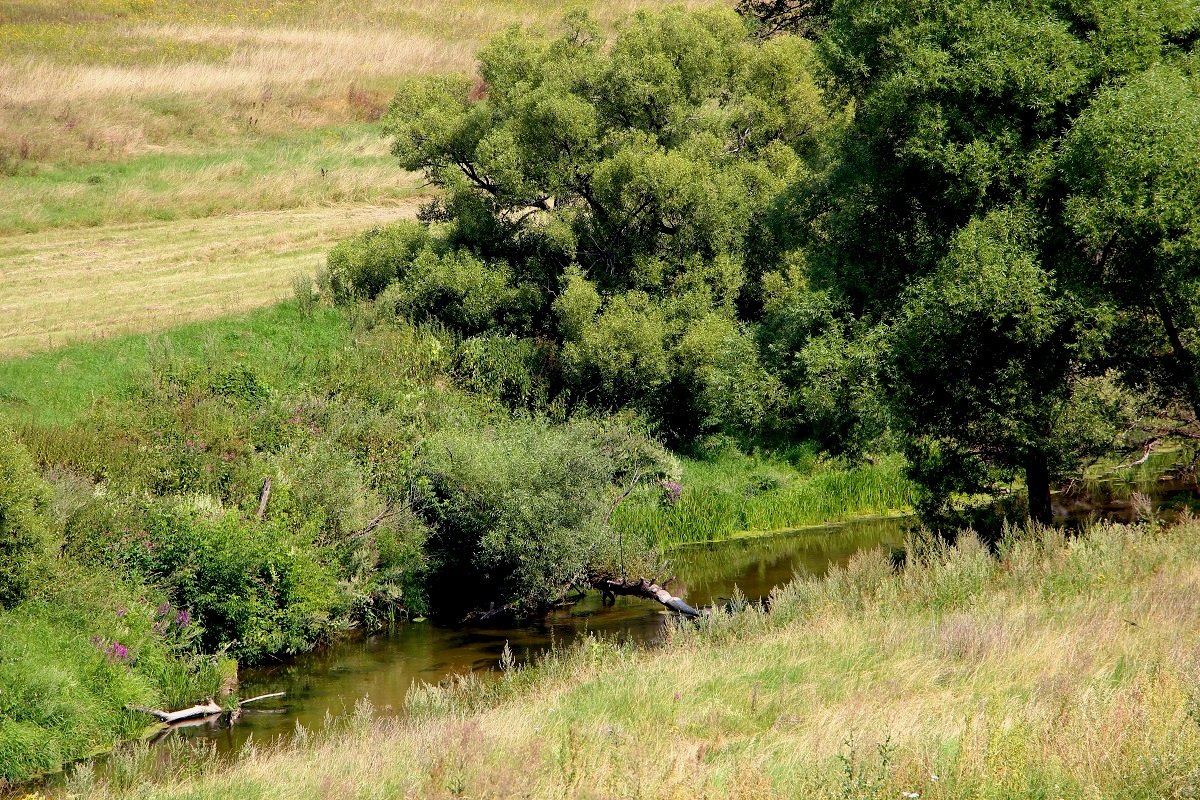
point(733, 494)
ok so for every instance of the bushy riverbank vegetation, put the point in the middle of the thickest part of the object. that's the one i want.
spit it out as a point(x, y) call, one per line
point(394, 493)
point(1064, 668)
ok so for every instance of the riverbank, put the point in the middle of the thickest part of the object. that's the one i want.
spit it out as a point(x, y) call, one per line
point(1066, 668)
point(148, 457)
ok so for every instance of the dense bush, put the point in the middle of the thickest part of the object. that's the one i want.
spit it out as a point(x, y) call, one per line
point(254, 588)
point(520, 513)
point(363, 265)
point(27, 536)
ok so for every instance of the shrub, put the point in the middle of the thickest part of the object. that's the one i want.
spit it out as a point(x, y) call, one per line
point(362, 266)
point(26, 527)
point(253, 587)
point(458, 290)
point(520, 513)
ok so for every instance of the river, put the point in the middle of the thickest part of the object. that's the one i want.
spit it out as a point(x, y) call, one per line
point(329, 682)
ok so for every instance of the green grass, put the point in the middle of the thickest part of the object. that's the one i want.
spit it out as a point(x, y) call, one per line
point(65, 691)
point(1064, 669)
point(343, 164)
point(731, 494)
point(281, 342)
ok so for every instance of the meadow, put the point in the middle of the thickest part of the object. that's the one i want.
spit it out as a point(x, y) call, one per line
point(1064, 668)
point(169, 161)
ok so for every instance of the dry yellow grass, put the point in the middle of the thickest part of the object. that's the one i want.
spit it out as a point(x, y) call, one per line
point(88, 80)
point(93, 92)
point(66, 286)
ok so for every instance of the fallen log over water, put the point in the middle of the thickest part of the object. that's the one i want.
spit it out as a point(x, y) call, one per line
point(197, 711)
point(648, 590)
point(171, 717)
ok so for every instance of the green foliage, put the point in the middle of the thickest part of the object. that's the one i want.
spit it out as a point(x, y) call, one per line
point(519, 513)
point(1005, 265)
point(74, 655)
point(604, 199)
point(1130, 163)
point(362, 266)
point(27, 536)
point(253, 587)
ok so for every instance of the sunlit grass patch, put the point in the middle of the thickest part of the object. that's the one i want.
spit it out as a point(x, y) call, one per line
point(730, 494)
point(79, 285)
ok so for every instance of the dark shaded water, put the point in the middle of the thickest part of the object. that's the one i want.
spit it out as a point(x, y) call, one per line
point(382, 668)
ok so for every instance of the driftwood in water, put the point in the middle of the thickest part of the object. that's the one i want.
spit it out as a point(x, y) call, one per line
point(171, 717)
point(260, 697)
point(202, 710)
point(648, 590)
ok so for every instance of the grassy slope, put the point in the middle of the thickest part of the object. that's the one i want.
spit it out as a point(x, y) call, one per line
point(55, 388)
point(1065, 670)
point(138, 111)
point(66, 683)
point(724, 495)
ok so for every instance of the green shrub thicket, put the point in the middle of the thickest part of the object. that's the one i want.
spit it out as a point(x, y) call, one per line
point(79, 642)
point(387, 482)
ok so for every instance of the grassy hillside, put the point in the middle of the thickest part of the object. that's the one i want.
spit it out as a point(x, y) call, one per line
point(130, 131)
point(1064, 669)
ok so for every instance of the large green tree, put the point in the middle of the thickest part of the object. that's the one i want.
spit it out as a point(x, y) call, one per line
point(604, 212)
point(1131, 165)
point(959, 113)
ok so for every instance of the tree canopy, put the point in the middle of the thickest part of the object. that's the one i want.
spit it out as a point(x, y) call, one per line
point(965, 229)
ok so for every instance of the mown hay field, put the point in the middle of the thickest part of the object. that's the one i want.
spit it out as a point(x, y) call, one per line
point(133, 132)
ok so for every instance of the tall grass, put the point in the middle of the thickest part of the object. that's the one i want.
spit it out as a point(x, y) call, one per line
point(1065, 668)
point(731, 494)
point(72, 659)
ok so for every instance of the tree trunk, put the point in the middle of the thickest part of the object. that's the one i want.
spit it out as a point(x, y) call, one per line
point(647, 589)
point(1184, 359)
point(1037, 479)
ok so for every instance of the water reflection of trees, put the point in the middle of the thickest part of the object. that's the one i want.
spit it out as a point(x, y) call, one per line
point(751, 561)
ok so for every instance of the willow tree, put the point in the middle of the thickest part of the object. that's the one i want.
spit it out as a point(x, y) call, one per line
point(632, 159)
point(619, 185)
point(1131, 165)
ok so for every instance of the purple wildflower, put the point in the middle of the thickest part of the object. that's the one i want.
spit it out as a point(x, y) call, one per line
point(163, 610)
point(122, 611)
point(118, 652)
point(673, 491)
point(183, 618)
